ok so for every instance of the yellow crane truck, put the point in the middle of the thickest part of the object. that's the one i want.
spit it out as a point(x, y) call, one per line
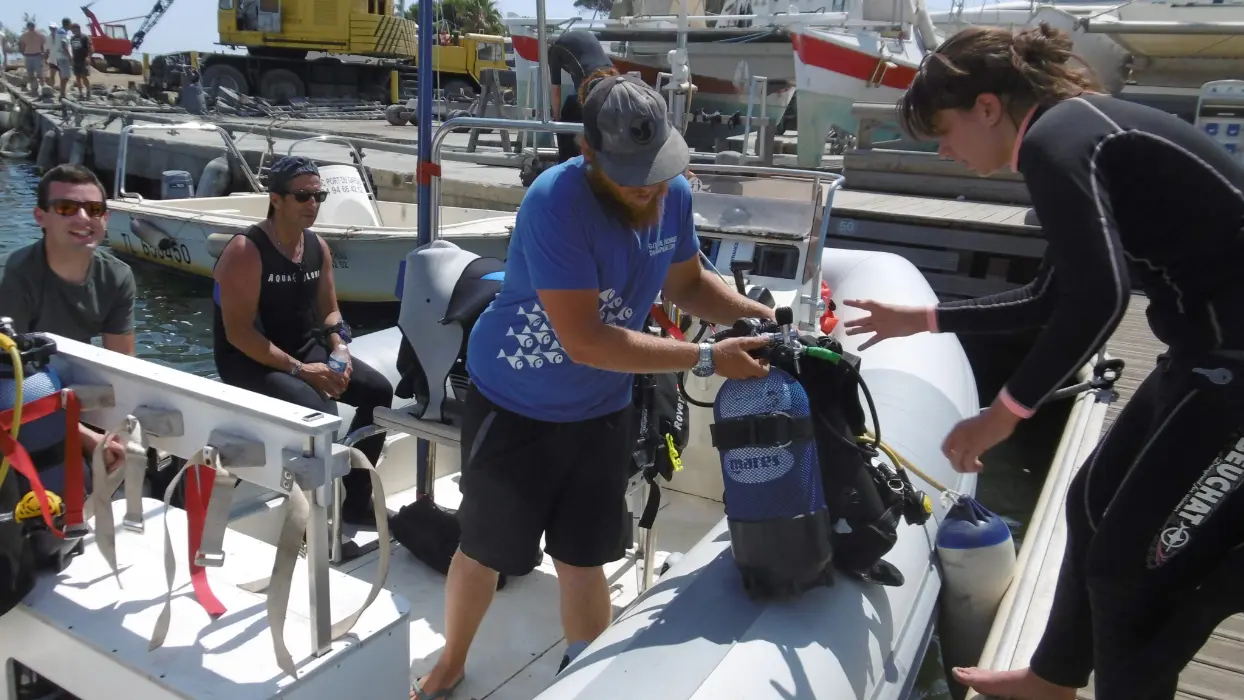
point(326, 48)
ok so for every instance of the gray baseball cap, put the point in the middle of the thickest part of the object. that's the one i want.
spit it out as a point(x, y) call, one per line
point(625, 123)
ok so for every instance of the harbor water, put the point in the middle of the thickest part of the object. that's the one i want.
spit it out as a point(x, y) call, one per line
point(173, 318)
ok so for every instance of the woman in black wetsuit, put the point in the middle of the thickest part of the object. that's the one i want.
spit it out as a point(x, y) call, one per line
point(276, 316)
point(1126, 195)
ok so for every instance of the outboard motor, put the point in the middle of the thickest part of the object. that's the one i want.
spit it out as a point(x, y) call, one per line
point(444, 290)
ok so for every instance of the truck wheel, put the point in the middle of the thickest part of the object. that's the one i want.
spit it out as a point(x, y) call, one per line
point(396, 115)
point(100, 65)
point(221, 75)
point(280, 85)
point(456, 87)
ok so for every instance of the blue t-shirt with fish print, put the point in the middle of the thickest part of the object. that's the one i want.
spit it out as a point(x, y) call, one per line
point(563, 240)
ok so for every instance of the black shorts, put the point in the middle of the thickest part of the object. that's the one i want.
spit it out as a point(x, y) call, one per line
point(523, 478)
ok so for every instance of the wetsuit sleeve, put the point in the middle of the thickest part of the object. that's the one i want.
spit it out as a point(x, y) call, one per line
point(557, 60)
point(556, 247)
point(1028, 307)
point(120, 318)
point(688, 245)
point(1084, 249)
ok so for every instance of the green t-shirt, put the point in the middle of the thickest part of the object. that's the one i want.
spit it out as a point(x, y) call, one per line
point(38, 300)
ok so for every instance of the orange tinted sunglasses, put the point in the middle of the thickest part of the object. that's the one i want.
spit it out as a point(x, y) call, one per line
point(70, 207)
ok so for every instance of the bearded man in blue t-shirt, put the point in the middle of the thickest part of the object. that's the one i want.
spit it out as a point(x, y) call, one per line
point(548, 434)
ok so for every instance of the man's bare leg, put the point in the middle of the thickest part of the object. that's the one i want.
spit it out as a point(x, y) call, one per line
point(1020, 684)
point(469, 588)
point(586, 608)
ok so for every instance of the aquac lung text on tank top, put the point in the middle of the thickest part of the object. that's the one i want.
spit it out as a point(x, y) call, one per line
point(273, 277)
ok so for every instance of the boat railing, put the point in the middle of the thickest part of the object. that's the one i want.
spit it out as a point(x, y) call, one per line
point(438, 141)
point(119, 191)
point(357, 162)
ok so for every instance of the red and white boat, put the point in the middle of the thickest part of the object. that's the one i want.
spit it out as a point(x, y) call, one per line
point(716, 57)
point(866, 59)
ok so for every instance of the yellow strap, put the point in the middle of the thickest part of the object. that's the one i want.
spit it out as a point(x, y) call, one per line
point(674, 458)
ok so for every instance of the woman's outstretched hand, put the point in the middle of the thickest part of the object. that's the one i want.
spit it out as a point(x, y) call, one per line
point(886, 321)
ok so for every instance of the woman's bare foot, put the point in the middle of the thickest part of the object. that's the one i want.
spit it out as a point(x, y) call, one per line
point(436, 685)
point(1021, 684)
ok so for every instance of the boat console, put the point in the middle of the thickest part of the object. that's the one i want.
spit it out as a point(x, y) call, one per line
point(95, 635)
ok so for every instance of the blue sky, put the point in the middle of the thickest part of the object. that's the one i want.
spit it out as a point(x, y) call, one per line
point(191, 24)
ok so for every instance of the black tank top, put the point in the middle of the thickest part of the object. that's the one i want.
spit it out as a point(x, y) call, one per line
point(287, 298)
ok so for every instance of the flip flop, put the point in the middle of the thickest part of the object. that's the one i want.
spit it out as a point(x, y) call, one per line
point(441, 694)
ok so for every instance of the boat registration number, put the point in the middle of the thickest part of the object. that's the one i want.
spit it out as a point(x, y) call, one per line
point(178, 253)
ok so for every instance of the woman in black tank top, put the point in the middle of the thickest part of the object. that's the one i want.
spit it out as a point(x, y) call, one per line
point(276, 316)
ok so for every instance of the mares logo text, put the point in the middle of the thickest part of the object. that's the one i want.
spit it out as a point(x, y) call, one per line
point(1215, 486)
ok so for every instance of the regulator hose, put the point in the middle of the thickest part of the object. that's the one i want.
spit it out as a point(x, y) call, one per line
point(15, 356)
point(809, 351)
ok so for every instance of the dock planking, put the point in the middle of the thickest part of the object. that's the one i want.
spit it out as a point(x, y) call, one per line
point(1217, 672)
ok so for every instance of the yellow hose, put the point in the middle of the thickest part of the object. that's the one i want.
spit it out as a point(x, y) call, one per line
point(7, 344)
point(902, 463)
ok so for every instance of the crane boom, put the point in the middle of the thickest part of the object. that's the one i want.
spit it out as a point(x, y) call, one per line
point(157, 12)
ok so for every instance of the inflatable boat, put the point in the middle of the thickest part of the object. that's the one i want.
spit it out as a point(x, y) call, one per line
point(685, 627)
point(684, 624)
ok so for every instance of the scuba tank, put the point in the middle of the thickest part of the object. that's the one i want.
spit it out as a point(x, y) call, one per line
point(774, 499)
point(804, 486)
point(33, 518)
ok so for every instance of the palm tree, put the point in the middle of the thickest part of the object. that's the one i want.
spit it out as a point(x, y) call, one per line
point(464, 16)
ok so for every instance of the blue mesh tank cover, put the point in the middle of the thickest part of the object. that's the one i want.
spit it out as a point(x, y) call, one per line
point(775, 502)
point(763, 429)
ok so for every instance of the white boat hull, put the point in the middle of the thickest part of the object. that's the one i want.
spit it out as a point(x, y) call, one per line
point(834, 69)
point(365, 260)
point(713, 67)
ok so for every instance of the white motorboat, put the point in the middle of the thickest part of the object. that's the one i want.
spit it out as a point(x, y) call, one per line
point(1148, 51)
point(872, 57)
point(369, 238)
point(716, 56)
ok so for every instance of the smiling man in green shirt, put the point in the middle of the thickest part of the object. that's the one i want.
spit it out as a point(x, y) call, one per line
point(66, 283)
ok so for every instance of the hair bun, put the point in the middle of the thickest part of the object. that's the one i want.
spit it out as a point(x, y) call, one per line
point(1043, 44)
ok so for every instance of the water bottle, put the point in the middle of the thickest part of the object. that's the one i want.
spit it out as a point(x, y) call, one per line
point(340, 358)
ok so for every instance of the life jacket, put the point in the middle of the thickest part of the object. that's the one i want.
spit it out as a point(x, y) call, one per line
point(39, 528)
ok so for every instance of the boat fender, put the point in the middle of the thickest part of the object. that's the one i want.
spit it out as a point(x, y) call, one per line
point(151, 234)
point(216, 243)
point(39, 528)
point(977, 554)
point(775, 505)
point(49, 151)
point(215, 179)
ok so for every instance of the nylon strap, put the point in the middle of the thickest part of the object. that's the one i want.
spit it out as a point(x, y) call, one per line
point(75, 485)
point(103, 485)
point(277, 586)
point(19, 459)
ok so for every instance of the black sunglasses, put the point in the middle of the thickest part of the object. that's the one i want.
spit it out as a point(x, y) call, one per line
point(71, 207)
point(304, 196)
